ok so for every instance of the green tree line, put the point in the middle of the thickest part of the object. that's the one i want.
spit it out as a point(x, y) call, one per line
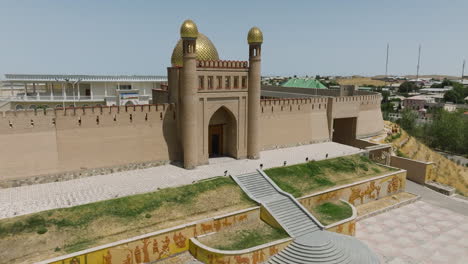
point(448, 131)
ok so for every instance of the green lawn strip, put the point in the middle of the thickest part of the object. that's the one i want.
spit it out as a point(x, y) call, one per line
point(125, 208)
point(305, 178)
point(332, 212)
point(244, 239)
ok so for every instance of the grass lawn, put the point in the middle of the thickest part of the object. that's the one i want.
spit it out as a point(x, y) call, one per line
point(332, 212)
point(248, 235)
point(61, 231)
point(306, 178)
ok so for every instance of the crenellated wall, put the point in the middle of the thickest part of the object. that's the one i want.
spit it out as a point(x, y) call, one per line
point(367, 110)
point(52, 141)
point(43, 142)
point(289, 122)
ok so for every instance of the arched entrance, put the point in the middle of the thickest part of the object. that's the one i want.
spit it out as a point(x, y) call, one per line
point(222, 134)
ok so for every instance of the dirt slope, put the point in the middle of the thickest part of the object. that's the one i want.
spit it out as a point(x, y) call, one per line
point(446, 171)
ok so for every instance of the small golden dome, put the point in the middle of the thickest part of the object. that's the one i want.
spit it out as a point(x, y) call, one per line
point(255, 36)
point(204, 48)
point(188, 29)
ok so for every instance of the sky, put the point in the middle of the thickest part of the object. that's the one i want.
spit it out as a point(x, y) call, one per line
point(325, 37)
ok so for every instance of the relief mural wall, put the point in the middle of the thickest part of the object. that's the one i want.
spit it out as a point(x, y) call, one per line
point(361, 192)
point(159, 246)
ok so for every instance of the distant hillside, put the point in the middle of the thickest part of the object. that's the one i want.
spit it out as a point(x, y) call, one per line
point(435, 76)
point(446, 171)
point(360, 81)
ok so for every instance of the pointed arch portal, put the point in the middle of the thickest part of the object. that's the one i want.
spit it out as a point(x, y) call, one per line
point(222, 134)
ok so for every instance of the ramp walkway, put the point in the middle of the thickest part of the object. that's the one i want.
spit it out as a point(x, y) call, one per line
point(312, 244)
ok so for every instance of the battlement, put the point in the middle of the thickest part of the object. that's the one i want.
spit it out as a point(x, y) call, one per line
point(363, 100)
point(223, 64)
point(293, 105)
point(74, 117)
point(73, 111)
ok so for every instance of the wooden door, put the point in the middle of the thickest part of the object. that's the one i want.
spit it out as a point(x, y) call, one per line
point(215, 140)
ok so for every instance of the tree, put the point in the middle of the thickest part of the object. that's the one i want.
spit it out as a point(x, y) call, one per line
point(451, 96)
point(444, 83)
point(385, 95)
point(408, 120)
point(457, 94)
point(407, 87)
point(448, 131)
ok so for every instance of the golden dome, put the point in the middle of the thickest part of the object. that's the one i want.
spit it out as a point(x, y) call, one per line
point(188, 29)
point(255, 36)
point(204, 48)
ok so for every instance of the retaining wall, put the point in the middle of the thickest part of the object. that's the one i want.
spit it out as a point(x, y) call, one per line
point(418, 171)
point(359, 192)
point(253, 255)
point(157, 245)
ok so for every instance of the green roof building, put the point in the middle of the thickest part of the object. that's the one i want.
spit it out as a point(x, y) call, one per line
point(304, 83)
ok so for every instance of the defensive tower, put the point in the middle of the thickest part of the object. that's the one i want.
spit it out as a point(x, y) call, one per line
point(255, 40)
point(188, 93)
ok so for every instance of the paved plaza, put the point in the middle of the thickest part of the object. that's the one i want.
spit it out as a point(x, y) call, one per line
point(35, 198)
point(417, 233)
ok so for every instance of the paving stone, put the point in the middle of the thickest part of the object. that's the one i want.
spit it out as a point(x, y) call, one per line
point(431, 242)
point(34, 198)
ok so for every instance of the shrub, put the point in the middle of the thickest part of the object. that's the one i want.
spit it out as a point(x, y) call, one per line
point(42, 230)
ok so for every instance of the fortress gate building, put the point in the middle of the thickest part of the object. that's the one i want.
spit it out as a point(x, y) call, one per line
point(218, 101)
point(210, 107)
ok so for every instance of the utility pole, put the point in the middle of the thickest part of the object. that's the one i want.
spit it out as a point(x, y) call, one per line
point(463, 69)
point(386, 62)
point(419, 60)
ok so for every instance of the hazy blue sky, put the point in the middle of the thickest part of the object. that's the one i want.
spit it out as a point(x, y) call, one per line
point(300, 37)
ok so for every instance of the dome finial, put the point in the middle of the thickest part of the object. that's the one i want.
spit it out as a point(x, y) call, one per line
point(255, 36)
point(188, 29)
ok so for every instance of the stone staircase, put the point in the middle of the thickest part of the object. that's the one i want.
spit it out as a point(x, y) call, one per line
point(289, 213)
point(311, 243)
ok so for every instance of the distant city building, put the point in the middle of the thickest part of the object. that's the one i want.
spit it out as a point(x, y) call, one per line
point(435, 90)
point(32, 91)
point(417, 102)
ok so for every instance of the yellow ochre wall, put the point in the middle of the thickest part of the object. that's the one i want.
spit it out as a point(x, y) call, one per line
point(293, 122)
point(54, 141)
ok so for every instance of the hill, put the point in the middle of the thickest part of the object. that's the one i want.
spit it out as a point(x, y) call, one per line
point(360, 81)
point(445, 171)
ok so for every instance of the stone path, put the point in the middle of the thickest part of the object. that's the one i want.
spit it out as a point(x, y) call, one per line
point(417, 233)
point(35, 198)
point(437, 199)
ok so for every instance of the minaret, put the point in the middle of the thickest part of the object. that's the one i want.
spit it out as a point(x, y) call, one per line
point(188, 94)
point(255, 40)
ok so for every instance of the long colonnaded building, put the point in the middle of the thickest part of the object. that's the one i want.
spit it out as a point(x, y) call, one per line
point(42, 91)
point(211, 107)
